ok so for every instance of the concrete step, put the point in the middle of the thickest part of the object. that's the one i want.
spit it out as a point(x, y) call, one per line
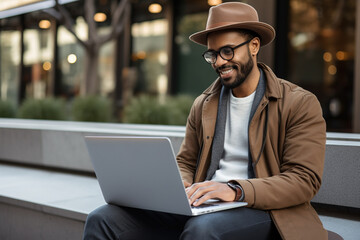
point(45, 204)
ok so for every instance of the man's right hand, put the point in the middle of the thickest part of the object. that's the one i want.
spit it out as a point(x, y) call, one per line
point(198, 193)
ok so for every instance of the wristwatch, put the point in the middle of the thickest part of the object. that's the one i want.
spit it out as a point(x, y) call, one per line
point(239, 193)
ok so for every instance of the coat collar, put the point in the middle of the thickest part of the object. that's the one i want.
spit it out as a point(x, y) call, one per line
point(215, 87)
point(272, 85)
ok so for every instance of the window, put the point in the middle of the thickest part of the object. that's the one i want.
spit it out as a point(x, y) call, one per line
point(10, 56)
point(321, 55)
point(194, 74)
point(149, 56)
point(70, 58)
point(38, 58)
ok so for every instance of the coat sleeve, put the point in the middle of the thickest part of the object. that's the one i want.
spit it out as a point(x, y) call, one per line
point(301, 160)
point(189, 150)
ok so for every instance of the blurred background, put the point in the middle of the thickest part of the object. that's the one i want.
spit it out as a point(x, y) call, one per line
point(132, 61)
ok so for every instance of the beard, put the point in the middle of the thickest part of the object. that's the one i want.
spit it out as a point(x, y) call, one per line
point(242, 73)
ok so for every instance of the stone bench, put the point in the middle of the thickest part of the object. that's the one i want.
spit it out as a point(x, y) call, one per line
point(60, 144)
point(48, 186)
point(44, 204)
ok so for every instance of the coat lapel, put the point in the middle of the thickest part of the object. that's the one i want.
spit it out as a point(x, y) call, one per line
point(218, 142)
point(209, 113)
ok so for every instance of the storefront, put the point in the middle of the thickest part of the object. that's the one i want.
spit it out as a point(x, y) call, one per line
point(321, 56)
point(315, 48)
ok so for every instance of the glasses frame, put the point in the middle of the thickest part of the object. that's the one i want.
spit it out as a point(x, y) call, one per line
point(218, 53)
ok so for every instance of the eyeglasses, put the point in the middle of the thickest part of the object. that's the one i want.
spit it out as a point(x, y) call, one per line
point(226, 53)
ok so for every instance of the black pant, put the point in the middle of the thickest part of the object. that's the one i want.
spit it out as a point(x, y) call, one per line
point(112, 222)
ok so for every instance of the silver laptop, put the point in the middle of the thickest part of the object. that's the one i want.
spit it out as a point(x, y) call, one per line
point(141, 172)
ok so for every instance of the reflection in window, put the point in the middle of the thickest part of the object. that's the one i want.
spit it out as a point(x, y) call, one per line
point(321, 54)
point(193, 73)
point(72, 60)
point(71, 56)
point(149, 56)
point(38, 56)
point(9, 65)
point(106, 65)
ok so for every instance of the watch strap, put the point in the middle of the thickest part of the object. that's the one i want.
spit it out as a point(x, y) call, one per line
point(239, 192)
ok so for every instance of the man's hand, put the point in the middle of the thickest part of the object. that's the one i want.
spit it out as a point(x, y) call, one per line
point(198, 193)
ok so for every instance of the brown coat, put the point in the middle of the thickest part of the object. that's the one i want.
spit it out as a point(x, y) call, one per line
point(289, 171)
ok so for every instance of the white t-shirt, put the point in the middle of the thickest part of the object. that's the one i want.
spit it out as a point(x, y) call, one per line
point(234, 162)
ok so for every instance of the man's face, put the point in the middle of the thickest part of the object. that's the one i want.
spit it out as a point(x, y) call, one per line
point(232, 72)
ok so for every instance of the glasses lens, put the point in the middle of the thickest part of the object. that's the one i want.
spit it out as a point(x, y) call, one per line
point(210, 56)
point(227, 53)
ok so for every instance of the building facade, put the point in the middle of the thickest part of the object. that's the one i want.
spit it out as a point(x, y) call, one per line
point(315, 48)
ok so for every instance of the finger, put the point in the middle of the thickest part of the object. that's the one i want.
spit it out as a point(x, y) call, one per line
point(203, 199)
point(194, 188)
point(201, 192)
point(190, 190)
point(215, 191)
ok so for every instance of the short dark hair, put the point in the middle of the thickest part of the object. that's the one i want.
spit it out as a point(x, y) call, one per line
point(248, 34)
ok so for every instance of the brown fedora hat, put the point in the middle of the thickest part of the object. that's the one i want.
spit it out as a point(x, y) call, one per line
point(234, 15)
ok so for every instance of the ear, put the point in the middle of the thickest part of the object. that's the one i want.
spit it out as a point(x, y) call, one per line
point(254, 46)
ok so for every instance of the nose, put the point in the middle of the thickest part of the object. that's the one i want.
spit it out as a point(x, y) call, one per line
point(219, 61)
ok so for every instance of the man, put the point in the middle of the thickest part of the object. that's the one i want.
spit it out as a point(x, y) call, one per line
point(249, 137)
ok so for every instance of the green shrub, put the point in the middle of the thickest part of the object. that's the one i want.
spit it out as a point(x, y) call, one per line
point(7, 109)
point(147, 109)
point(91, 109)
point(45, 109)
point(183, 104)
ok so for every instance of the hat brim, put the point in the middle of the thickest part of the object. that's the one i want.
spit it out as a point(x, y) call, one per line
point(265, 31)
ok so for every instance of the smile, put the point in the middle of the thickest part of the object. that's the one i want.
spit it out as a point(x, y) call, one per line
point(227, 71)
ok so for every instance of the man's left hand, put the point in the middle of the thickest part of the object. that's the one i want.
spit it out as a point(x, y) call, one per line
point(198, 193)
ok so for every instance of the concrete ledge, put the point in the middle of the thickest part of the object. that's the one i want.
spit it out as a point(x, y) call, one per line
point(341, 179)
point(24, 223)
point(64, 194)
point(43, 204)
point(60, 144)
